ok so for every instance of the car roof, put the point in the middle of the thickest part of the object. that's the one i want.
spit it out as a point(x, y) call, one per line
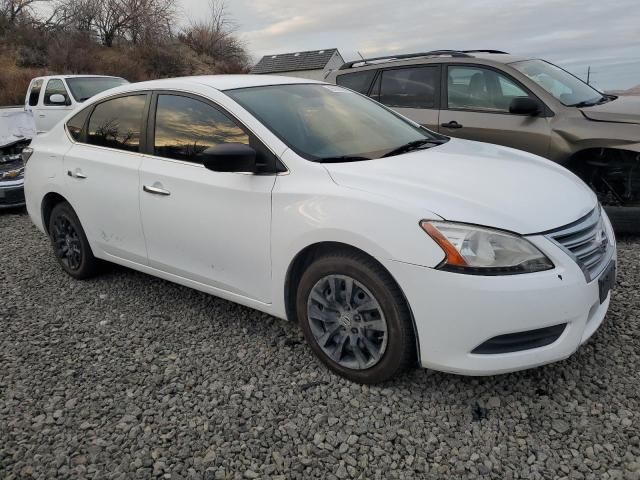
point(223, 82)
point(45, 77)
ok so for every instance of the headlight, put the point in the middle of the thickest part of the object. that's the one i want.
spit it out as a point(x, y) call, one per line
point(483, 251)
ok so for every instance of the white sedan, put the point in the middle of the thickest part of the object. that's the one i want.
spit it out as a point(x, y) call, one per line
point(391, 245)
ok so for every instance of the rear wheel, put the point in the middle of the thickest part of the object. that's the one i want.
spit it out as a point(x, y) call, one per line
point(355, 318)
point(70, 243)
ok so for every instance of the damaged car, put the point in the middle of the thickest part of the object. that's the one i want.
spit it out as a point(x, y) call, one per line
point(16, 131)
point(529, 104)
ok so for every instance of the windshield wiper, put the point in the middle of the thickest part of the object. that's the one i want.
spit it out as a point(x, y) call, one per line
point(591, 103)
point(342, 158)
point(415, 145)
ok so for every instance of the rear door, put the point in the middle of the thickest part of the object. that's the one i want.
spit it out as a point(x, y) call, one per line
point(209, 227)
point(412, 91)
point(475, 105)
point(102, 173)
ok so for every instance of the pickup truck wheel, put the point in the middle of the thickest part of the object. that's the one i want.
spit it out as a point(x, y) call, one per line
point(70, 243)
point(355, 318)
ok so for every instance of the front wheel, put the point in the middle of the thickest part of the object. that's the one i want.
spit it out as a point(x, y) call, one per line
point(70, 243)
point(355, 318)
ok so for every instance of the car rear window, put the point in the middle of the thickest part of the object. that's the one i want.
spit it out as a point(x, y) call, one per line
point(357, 81)
point(117, 123)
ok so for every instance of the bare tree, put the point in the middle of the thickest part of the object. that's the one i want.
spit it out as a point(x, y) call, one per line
point(215, 36)
point(11, 10)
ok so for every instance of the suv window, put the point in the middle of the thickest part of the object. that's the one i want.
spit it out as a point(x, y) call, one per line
point(117, 123)
point(409, 87)
point(55, 86)
point(357, 81)
point(476, 88)
point(34, 94)
point(185, 127)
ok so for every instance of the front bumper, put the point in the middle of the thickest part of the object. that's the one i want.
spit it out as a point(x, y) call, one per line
point(12, 194)
point(455, 313)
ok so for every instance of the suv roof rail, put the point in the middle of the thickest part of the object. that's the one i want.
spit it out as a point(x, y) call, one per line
point(432, 53)
point(486, 51)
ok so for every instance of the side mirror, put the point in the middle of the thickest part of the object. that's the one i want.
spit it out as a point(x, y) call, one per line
point(229, 157)
point(524, 106)
point(57, 99)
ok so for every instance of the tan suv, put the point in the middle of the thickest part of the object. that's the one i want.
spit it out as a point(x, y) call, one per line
point(529, 104)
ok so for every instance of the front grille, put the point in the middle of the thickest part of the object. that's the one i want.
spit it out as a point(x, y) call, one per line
point(517, 342)
point(587, 242)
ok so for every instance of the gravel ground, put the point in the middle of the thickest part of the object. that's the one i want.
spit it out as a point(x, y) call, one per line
point(128, 376)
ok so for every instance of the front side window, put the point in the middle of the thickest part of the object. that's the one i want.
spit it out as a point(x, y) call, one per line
point(55, 86)
point(409, 87)
point(476, 88)
point(565, 87)
point(328, 123)
point(186, 127)
point(357, 81)
point(117, 123)
point(83, 88)
point(34, 94)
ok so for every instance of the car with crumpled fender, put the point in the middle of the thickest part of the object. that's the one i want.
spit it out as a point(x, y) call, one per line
point(525, 103)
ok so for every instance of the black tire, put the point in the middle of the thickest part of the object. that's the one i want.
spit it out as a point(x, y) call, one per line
point(400, 351)
point(67, 235)
point(624, 220)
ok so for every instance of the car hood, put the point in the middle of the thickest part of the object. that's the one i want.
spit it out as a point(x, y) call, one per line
point(624, 109)
point(477, 183)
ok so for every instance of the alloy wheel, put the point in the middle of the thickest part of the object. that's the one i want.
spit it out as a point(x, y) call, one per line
point(66, 242)
point(347, 322)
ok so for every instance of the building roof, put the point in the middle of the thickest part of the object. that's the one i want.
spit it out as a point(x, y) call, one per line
point(293, 62)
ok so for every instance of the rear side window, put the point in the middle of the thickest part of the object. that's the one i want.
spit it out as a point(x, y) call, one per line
point(76, 124)
point(186, 127)
point(409, 87)
point(34, 94)
point(55, 87)
point(358, 81)
point(117, 123)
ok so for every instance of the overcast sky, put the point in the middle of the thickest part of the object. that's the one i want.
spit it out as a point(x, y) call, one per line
point(572, 33)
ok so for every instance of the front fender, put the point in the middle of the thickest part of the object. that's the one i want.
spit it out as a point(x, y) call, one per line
point(310, 212)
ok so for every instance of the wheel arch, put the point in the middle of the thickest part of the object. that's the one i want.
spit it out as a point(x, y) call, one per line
point(308, 254)
point(49, 201)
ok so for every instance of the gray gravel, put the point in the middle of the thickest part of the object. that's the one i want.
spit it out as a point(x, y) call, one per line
point(128, 376)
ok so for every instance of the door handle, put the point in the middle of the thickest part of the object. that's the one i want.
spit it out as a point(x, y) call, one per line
point(42, 115)
point(451, 124)
point(155, 190)
point(76, 174)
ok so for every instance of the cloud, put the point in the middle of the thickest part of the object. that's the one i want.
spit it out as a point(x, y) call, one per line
point(572, 33)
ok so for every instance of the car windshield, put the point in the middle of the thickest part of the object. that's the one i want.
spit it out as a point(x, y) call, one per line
point(570, 90)
point(83, 88)
point(330, 123)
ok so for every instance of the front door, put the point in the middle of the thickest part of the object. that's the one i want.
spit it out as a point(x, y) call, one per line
point(209, 227)
point(50, 112)
point(476, 107)
point(101, 171)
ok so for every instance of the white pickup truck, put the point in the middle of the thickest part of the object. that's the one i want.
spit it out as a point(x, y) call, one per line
point(49, 99)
